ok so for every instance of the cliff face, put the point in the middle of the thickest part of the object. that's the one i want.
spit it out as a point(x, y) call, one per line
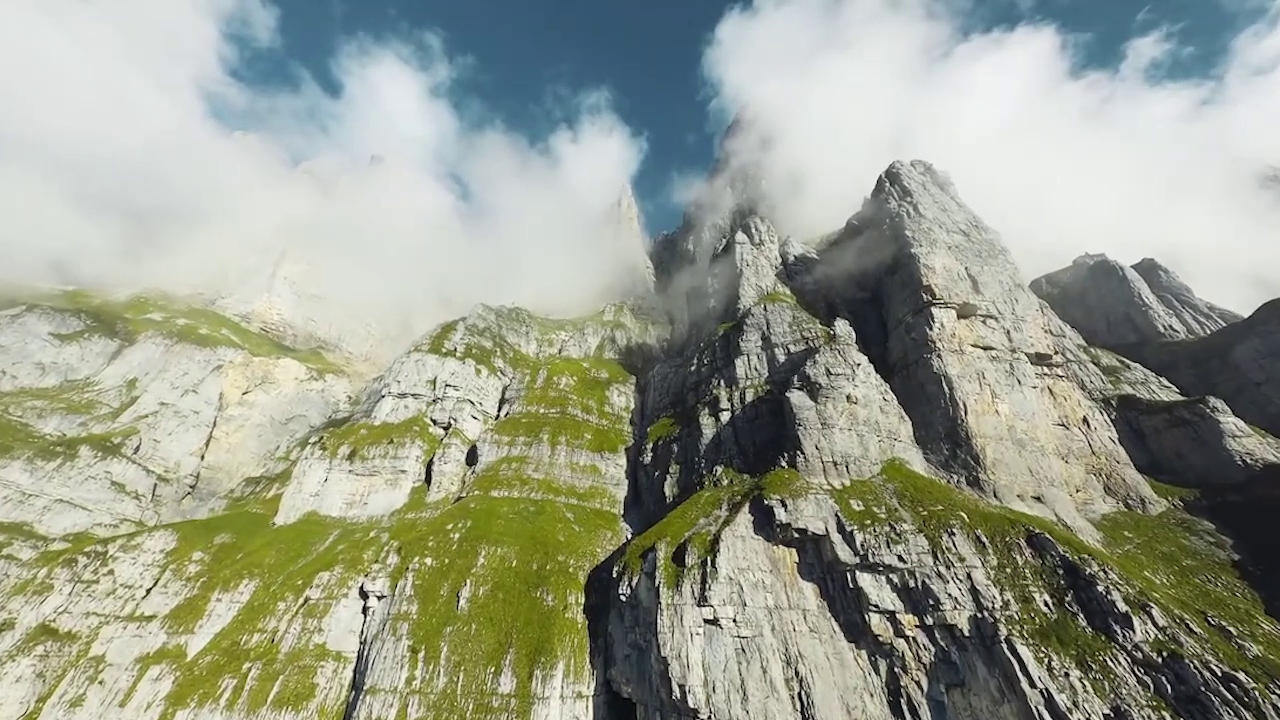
point(874, 477)
point(1112, 305)
point(1237, 363)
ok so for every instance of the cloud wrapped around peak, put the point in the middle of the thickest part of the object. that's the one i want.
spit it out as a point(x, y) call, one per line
point(1060, 160)
point(132, 156)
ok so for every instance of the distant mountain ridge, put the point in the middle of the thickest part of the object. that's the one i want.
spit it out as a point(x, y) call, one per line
point(875, 477)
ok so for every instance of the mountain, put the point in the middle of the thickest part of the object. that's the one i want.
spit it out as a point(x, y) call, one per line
point(1111, 304)
point(871, 476)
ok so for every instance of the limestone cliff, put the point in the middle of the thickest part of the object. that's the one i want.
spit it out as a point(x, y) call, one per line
point(873, 476)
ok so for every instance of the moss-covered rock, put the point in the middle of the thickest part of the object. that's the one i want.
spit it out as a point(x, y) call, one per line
point(127, 319)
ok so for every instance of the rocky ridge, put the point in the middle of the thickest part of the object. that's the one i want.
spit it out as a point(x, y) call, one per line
point(872, 476)
point(1235, 363)
point(1113, 305)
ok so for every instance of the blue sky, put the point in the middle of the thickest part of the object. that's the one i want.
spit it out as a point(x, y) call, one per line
point(524, 57)
point(191, 144)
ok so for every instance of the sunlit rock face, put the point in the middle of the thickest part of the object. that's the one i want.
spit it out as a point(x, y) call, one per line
point(872, 476)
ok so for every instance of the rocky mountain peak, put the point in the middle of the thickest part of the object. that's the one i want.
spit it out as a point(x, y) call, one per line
point(874, 476)
point(1112, 305)
point(1108, 302)
point(1198, 317)
point(940, 308)
point(636, 268)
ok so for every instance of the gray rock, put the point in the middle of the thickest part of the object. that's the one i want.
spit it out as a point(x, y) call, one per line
point(1237, 363)
point(1198, 316)
point(1108, 303)
point(125, 428)
point(770, 386)
point(609, 518)
point(801, 615)
point(1112, 305)
point(1193, 442)
point(975, 359)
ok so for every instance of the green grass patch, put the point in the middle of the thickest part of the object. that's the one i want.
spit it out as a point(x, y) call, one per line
point(503, 592)
point(355, 440)
point(566, 403)
point(21, 531)
point(172, 655)
point(242, 549)
point(778, 296)
point(690, 532)
point(78, 397)
point(521, 477)
point(128, 319)
point(521, 563)
point(936, 508)
point(20, 440)
point(663, 428)
point(260, 494)
point(491, 584)
point(1173, 493)
point(1171, 560)
point(43, 634)
point(485, 336)
point(1182, 566)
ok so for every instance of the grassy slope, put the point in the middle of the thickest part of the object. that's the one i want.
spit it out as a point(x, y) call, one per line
point(519, 553)
point(1172, 561)
point(129, 318)
point(514, 547)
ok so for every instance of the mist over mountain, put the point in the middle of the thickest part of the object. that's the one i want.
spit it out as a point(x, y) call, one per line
point(945, 398)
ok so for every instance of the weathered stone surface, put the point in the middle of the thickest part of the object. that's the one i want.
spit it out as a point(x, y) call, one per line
point(759, 382)
point(973, 357)
point(1113, 305)
point(606, 518)
point(800, 613)
point(1192, 442)
point(738, 604)
point(1237, 363)
point(107, 428)
point(1198, 316)
point(1108, 303)
point(442, 413)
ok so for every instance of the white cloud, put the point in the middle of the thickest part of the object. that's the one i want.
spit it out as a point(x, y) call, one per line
point(1060, 161)
point(119, 165)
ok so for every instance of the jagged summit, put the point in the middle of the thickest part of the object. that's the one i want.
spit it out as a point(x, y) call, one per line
point(1112, 305)
point(733, 192)
point(872, 477)
point(1198, 316)
point(636, 267)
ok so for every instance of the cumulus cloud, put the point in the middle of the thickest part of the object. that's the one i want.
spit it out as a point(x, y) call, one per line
point(1059, 159)
point(131, 156)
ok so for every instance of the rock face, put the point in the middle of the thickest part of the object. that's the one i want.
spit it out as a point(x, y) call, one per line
point(1194, 441)
point(869, 477)
point(874, 617)
point(122, 414)
point(1236, 363)
point(1108, 303)
point(975, 359)
point(1198, 317)
point(1113, 305)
